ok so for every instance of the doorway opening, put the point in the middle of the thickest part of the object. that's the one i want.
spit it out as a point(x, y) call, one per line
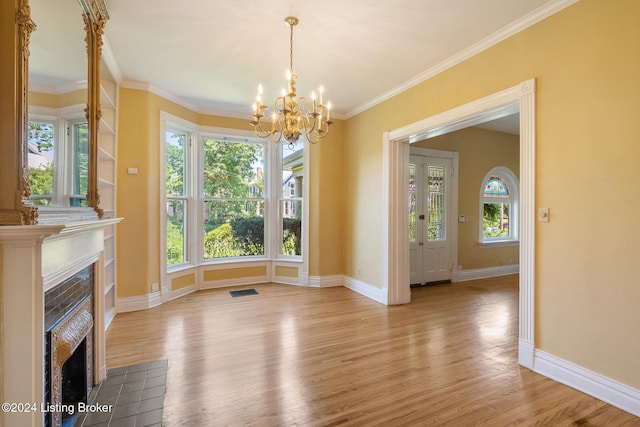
point(395, 195)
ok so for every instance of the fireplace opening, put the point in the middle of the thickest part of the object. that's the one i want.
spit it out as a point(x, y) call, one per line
point(69, 347)
point(74, 384)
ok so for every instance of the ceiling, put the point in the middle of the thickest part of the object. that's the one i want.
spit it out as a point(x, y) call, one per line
point(211, 55)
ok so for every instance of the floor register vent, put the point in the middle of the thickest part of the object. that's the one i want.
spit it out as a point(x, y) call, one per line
point(243, 292)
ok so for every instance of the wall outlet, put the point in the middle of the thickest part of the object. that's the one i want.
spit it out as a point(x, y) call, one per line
point(155, 287)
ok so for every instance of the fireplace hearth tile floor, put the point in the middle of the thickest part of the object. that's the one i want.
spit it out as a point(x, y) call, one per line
point(136, 393)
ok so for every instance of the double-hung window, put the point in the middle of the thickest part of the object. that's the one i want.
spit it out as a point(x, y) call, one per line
point(234, 197)
point(178, 202)
point(58, 160)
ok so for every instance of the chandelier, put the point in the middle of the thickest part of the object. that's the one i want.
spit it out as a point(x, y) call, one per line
point(288, 121)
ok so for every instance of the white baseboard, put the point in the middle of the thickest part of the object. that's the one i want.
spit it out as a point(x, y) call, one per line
point(369, 291)
point(526, 354)
point(485, 273)
point(589, 382)
point(182, 292)
point(326, 281)
point(141, 302)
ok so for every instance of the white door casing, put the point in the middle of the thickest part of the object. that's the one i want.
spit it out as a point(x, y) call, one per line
point(395, 244)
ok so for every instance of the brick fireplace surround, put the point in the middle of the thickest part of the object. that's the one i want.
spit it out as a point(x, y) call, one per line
point(33, 260)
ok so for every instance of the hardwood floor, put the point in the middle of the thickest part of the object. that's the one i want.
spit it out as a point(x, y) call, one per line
point(327, 357)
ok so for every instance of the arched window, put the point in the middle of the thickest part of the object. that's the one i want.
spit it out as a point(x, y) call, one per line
point(499, 206)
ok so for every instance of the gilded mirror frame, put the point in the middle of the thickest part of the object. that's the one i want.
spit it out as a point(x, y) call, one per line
point(16, 207)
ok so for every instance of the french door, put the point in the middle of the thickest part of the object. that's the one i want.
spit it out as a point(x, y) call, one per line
point(429, 224)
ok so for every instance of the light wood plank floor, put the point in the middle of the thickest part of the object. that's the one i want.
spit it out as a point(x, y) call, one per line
point(327, 357)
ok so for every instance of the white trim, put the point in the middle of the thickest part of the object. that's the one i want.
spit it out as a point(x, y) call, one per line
point(141, 302)
point(367, 290)
point(498, 243)
point(592, 383)
point(326, 281)
point(525, 353)
point(110, 60)
point(513, 198)
point(242, 281)
point(395, 221)
point(484, 273)
point(515, 27)
point(183, 291)
point(395, 192)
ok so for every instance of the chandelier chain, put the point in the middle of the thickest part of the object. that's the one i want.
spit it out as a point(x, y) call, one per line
point(291, 48)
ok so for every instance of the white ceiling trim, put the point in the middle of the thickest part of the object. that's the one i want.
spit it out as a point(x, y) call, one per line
point(130, 84)
point(495, 38)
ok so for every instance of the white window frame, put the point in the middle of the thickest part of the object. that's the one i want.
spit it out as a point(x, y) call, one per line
point(213, 133)
point(273, 193)
point(63, 120)
point(510, 179)
point(191, 254)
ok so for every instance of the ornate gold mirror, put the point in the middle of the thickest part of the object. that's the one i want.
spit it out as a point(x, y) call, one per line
point(53, 166)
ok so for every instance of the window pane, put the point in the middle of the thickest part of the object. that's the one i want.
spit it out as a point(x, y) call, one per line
point(412, 202)
point(495, 221)
point(233, 228)
point(175, 156)
point(176, 240)
point(291, 227)
point(496, 187)
point(80, 165)
point(292, 170)
point(436, 223)
point(233, 169)
point(40, 158)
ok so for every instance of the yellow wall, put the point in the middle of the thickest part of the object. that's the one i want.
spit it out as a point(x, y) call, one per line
point(479, 150)
point(183, 281)
point(50, 100)
point(586, 61)
point(139, 195)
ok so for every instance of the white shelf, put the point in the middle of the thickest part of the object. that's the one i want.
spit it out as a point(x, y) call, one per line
point(105, 155)
point(106, 128)
point(108, 287)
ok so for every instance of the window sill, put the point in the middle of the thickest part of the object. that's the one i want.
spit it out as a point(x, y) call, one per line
point(498, 243)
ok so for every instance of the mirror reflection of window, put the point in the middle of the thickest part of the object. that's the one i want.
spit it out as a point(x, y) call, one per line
point(41, 161)
point(58, 162)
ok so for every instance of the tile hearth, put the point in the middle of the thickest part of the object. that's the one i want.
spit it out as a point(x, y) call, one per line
point(136, 393)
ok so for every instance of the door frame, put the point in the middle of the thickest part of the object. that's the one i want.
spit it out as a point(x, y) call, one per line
point(452, 209)
point(395, 182)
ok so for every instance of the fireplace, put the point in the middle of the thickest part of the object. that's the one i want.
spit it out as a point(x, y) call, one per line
point(69, 345)
point(37, 265)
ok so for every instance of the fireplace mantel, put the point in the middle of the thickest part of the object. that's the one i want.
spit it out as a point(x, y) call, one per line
point(33, 259)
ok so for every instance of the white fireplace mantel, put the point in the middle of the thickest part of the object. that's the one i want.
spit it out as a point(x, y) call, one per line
point(33, 259)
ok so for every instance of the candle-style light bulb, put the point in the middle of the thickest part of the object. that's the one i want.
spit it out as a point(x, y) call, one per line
point(321, 90)
point(328, 110)
point(259, 89)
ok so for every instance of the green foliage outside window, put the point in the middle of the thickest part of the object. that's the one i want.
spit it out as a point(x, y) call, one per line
point(495, 221)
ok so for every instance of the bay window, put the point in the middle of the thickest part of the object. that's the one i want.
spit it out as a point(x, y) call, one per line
point(230, 197)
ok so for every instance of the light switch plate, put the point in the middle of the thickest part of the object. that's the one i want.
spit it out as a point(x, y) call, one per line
point(543, 214)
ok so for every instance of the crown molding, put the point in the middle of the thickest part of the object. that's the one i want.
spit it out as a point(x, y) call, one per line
point(515, 27)
point(132, 84)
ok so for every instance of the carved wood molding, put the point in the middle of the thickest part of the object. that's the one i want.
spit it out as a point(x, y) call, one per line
point(23, 212)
